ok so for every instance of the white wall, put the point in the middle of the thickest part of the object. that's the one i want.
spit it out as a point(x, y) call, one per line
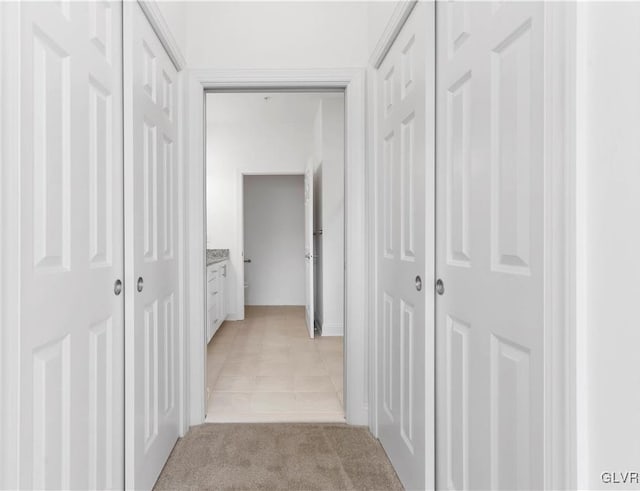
point(262, 34)
point(274, 240)
point(175, 14)
point(257, 34)
point(609, 112)
point(378, 15)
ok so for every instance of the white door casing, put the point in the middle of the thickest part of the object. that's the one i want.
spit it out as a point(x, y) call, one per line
point(404, 224)
point(353, 82)
point(151, 236)
point(490, 250)
point(70, 373)
point(309, 253)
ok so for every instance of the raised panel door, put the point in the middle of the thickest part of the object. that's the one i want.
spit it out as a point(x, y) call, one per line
point(71, 381)
point(404, 223)
point(490, 245)
point(151, 135)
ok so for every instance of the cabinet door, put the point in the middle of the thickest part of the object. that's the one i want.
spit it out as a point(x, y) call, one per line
point(218, 310)
point(210, 290)
point(223, 291)
point(211, 320)
point(213, 272)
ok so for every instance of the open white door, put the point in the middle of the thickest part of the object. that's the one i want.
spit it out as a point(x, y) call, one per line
point(308, 247)
point(490, 320)
point(69, 347)
point(151, 135)
point(404, 250)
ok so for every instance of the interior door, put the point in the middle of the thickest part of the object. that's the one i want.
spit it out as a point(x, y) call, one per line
point(308, 248)
point(404, 249)
point(490, 248)
point(151, 136)
point(71, 331)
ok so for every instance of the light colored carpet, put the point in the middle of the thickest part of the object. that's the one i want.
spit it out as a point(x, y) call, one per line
point(276, 456)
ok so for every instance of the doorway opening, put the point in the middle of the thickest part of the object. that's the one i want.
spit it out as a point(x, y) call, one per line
point(274, 330)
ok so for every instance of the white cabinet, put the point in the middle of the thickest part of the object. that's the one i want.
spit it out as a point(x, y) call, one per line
point(224, 290)
point(216, 296)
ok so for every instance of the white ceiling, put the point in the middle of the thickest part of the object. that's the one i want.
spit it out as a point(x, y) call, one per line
point(278, 107)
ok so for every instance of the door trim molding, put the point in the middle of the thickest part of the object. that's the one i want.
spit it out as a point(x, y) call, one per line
point(162, 30)
point(398, 17)
point(372, 269)
point(239, 178)
point(561, 253)
point(10, 250)
point(352, 80)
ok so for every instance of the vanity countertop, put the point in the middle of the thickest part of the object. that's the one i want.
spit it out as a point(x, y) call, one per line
point(217, 256)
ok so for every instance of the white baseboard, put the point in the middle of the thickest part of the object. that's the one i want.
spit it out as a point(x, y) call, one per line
point(329, 329)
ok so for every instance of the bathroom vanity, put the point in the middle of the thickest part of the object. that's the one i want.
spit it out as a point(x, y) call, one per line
point(217, 273)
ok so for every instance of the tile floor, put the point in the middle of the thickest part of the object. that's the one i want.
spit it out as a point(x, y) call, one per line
point(267, 369)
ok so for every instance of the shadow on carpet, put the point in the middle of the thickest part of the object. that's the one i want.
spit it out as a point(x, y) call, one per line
point(278, 456)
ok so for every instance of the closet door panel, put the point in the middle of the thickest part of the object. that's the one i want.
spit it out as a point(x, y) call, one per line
point(151, 129)
point(71, 431)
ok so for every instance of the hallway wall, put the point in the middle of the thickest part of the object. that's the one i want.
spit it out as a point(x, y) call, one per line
point(175, 14)
point(259, 34)
point(608, 259)
point(274, 240)
point(378, 16)
point(262, 35)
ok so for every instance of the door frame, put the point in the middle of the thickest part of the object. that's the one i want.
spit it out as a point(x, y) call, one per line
point(352, 81)
point(10, 247)
point(240, 174)
point(564, 211)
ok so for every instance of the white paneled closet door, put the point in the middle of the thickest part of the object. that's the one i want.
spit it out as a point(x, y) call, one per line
point(490, 249)
point(404, 249)
point(151, 187)
point(71, 321)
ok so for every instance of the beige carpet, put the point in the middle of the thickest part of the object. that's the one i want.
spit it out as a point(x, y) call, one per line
point(272, 456)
